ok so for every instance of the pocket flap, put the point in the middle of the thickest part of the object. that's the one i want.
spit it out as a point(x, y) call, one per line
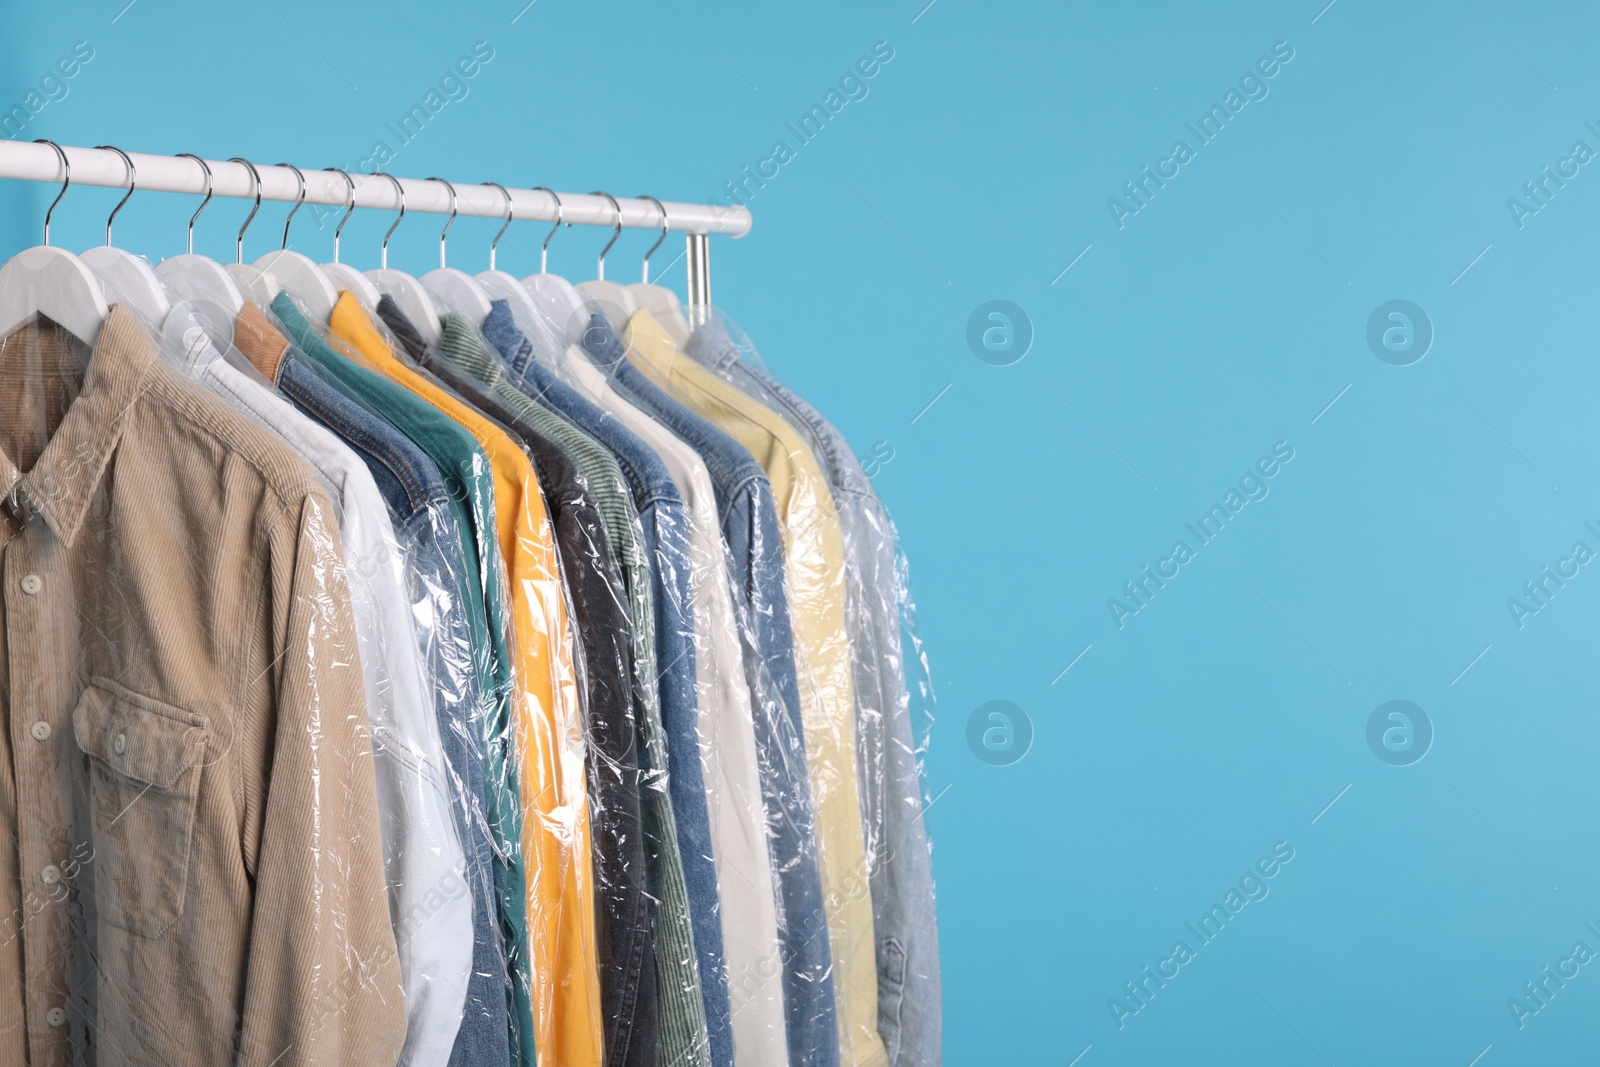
point(140, 738)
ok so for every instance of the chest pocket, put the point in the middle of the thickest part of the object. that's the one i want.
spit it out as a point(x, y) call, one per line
point(144, 767)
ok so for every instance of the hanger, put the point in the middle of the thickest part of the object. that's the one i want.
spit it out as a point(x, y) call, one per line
point(200, 278)
point(413, 299)
point(502, 286)
point(256, 283)
point(451, 289)
point(343, 276)
point(614, 300)
point(658, 300)
point(52, 283)
point(128, 278)
point(558, 301)
point(297, 273)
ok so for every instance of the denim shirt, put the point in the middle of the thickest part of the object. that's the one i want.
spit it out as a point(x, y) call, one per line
point(468, 482)
point(750, 527)
point(419, 505)
point(666, 543)
point(899, 863)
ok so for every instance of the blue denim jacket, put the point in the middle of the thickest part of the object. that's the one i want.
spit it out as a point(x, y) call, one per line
point(663, 516)
point(900, 866)
point(419, 507)
point(750, 527)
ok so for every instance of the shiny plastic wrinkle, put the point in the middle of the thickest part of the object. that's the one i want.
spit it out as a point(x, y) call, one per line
point(429, 899)
point(547, 722)
point(894, 712)
point(188, 767)
point(469, 495)
point(726, 733)
point(815, 573)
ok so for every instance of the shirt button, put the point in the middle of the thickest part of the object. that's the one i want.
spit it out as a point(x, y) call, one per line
point(50, 875)
point(40, 731)
point(119, 743)
point(32, 583)
point(55, 1017)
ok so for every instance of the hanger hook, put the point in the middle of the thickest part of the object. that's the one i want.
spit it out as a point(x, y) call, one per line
point(449, 222)
point(301, 199)
point(544, 249)
point(206, 167)
point(133, 177)
point(255, 176)
point(600, 271)
point(644, 273)
point(383, 258)
point(493, 244)
point(349, 209)
point(66, 180)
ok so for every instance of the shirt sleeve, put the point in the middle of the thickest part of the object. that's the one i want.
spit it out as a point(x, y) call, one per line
point(323, 986)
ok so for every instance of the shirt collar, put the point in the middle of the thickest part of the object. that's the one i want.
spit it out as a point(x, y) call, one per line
point(62, 482)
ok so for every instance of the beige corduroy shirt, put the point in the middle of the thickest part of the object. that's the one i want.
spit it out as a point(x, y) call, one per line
point(191, 870)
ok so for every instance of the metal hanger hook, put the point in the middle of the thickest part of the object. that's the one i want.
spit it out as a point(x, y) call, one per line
point(301, 199)
point(600, 270)
point(507, 225)
point(255, 176)
point(544, 249)
point(383, 256)
point(644, 273)
point(451, 221)
point(206, 167)
point(66, 180)
point(133, 178)
point(349, 209)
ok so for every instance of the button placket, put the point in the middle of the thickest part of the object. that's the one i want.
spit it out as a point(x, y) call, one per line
point(41, 665)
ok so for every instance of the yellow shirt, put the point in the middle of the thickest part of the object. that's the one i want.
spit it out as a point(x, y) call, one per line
point(813, 551)
point(548, 728)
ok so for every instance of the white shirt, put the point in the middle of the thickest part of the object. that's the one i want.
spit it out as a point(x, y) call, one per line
point(727, 741)
point(429, 900)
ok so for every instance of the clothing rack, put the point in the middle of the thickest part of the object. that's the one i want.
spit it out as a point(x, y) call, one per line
point(39, 162)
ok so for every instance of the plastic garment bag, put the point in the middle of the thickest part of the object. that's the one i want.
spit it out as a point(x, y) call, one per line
point(894, 705)
point(727, 740)
point(196, 820)
point(546, 716)
point(428, 893)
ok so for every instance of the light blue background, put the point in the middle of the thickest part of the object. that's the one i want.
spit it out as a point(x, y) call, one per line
point(1224, 317)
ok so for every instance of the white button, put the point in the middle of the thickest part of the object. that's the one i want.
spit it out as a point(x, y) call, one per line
point(55, 1017)
point(119, 743)
point(32, 583)
point(51, 874)
point(40, 731)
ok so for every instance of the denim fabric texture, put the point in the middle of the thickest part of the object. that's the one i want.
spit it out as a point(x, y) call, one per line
point(470, 487)
point(419, 505)
point(899, 862)
point(750, 527)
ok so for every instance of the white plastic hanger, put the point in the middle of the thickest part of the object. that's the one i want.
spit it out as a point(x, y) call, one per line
point(52, 282)
point(301, 278)
point(614, 300)
point(343, 276)
point(257, 284)
point(658, 300)
point(556, 299)
point(406, 291)
point(200, 278)
point(502, 286)
point(451, 289)
point(127, 277)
